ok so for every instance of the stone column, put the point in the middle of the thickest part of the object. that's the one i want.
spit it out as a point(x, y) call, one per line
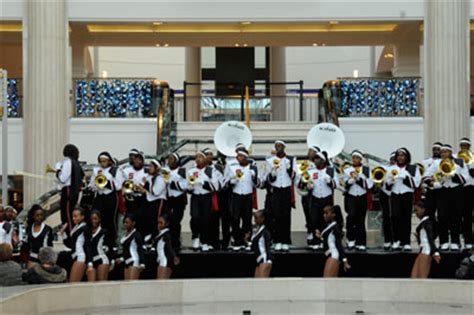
point(192, 68)
point(46, 106)
point(446, 71)
point(278, 74)
point(406, 61)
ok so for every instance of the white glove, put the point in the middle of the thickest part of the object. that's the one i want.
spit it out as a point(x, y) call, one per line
point(437, 185)
point(351, 181)
point(389, 181)
point(274, 172)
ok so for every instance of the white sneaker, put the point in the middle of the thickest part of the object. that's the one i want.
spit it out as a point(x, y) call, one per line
point(445, 246)
point(278, 246)
point(407, 248)
point(361, 248)
point(317, 247)
point(248, 248)
point(236, 248)
point(285, 247)
point(351, 244)
point(468, 246)
point(205, 248)
point(387, 245)
point(396, 245)
point(210, 247)
point(196, 243)
point(455, 246)
point(309, 237)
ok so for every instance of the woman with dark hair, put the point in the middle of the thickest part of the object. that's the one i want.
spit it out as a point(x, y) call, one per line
point(165, 255)
point(38, 234)
point(261, 246)
point(70, 175)
point(402, 180)
point(132, 249)
point(98, 262)
point(332, 241)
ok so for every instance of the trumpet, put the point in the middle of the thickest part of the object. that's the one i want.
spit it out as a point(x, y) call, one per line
point(276, 163)
point(394, 173)
point(101, 181)
point(303, 166)
point(344, 166)
point(166, 175)
point(129, 187)
point(378, 175)
point(49, 169)
point(306, 178)
point(466, 155)
point(192, 179)
point(356, 173)
point(239, 175)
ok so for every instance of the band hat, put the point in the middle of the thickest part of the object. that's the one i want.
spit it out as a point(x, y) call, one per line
point(133, 152)
point(321, 155)
point(280, 142)
point(401, 150)
point(315, 148)
point(201, 153)
point(207, 151)
point(176, 156)
point(242, 152)
point(140, 154)
point(240, 146)
point(156, 163)
point(105, 155)
point(357, 153)
point(465, 141)
point(393, 154)
point(437, 145)
point(447, 147)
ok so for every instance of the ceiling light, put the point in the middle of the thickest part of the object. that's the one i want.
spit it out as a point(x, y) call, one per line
point(157, 23)
point(315, 44)
point(245, 45)
point(388, 56)
point(166, 45)
point(246, 23)
point(236, 45)
point(333, 22)
point(158, 45)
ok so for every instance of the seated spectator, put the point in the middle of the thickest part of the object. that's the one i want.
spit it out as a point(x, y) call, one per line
point(466, 269)
point(10, 271)
point(46, 271)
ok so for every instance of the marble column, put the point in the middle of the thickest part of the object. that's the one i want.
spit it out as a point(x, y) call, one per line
point(446, 71)
point(406, 61)
point(192, 68)
point(278, 74)
point(46, 105)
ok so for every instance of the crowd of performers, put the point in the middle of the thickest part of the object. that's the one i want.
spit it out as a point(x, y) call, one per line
point(137, 209)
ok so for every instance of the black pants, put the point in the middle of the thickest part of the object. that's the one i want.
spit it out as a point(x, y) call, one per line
point(107, 205)
point(401, 206)
point(466, 215)
point(356, 208)
point(431, 209)
point(137, 207)
point(67, 203)
point(449, 201)
point(241, 215)
point(201, 211)
point(176, 206)
point(316, 214)
point(153, 209)
point(221, 220)
point(281, 210)
point(386, 221)
point(305, 201)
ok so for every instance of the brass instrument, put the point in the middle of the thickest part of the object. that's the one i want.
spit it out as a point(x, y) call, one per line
point(101, 181)
point(192, 179)
point(306, 178)
point(49, 169)
point(129, 187)
point(394, 173)
point(303, 166)
point(239, 175)
point(357, 171)
point(344, 166)
point(378, 175)
point(466, 155)
point(421, 168)
point(276, 163)
point(166, 175)
point(446, 168)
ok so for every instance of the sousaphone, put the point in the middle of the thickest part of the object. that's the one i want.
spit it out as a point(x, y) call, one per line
point(327, 137)
point(229, 134)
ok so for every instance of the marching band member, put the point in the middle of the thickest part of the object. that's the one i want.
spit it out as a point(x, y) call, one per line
point(105, 199)
point(132, 245)
point(98, 264)
point(280, 179)
point(430, 198)
point(243, 178)
point(202, 181)
point(357, 183)
point(261, 245)
point(79, 243)
point(69, 175)
point(384, 197)
point(177, 198)
point(135, 200)
point(321, 182)
point(222, 217)
point(332, 241)
point(425, 236)
point(468, 197)
point(402, 180)
point(165, 255)
point(448, 186)
point(38, 234)
point(155, 189)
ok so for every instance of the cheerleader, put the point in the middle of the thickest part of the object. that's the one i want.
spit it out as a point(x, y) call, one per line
point(321, 184)
point(261, 246)
point(202, 182)
point(166, 256)
point(332, 241)
point(177, 198)
point(98, 265)
point(105, 199)
point(428, 250)
point(243, 178)
point(402, 180)
point(357, 183)
point(78, 242)
point(132, 245)
point(38, 234)
point(69, 175)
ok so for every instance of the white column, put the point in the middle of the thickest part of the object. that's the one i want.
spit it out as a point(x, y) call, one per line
point(192, 68)
point(406, 61)
point(81, 62)
point(46, 106)
point(278, 74)
point(446, 71)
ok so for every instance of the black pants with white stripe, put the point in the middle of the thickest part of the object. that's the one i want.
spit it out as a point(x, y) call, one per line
point(153, 209)
point(176, 206)
point(386, 220)
point(281, 211)
point(201, 212)
point(316, 213)
point(449, 201)
point(67, 203)
point(107, 205)
point(356, 208)
point(401, 213)
point(305, 201)
point(241, 217)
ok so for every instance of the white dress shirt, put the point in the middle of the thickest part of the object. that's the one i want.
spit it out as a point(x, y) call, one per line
point(448, 182)
point(137, 176)
point(178, 180)
point(106, 172)
point(156, 188)
point(356, 189)
point(323, 185)
point(242, 186)
point(201, 179)
point(399, 186)
point(283, 179)
point(64, 169)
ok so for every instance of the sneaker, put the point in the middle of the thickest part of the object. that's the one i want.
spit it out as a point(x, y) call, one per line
point(210, 247)
point(317, 247)
point(407, 248)
point(454, 247)
point(387, 245)
point(351, 245)
point(361, 248)
point(285, 247)
point(205, 248)
point(445, 246)
point(248, 248)
point(468, 246)
point(196, 243)
point(309, 238)
point(236, 248)
point(278, 246)
point(396, 245)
